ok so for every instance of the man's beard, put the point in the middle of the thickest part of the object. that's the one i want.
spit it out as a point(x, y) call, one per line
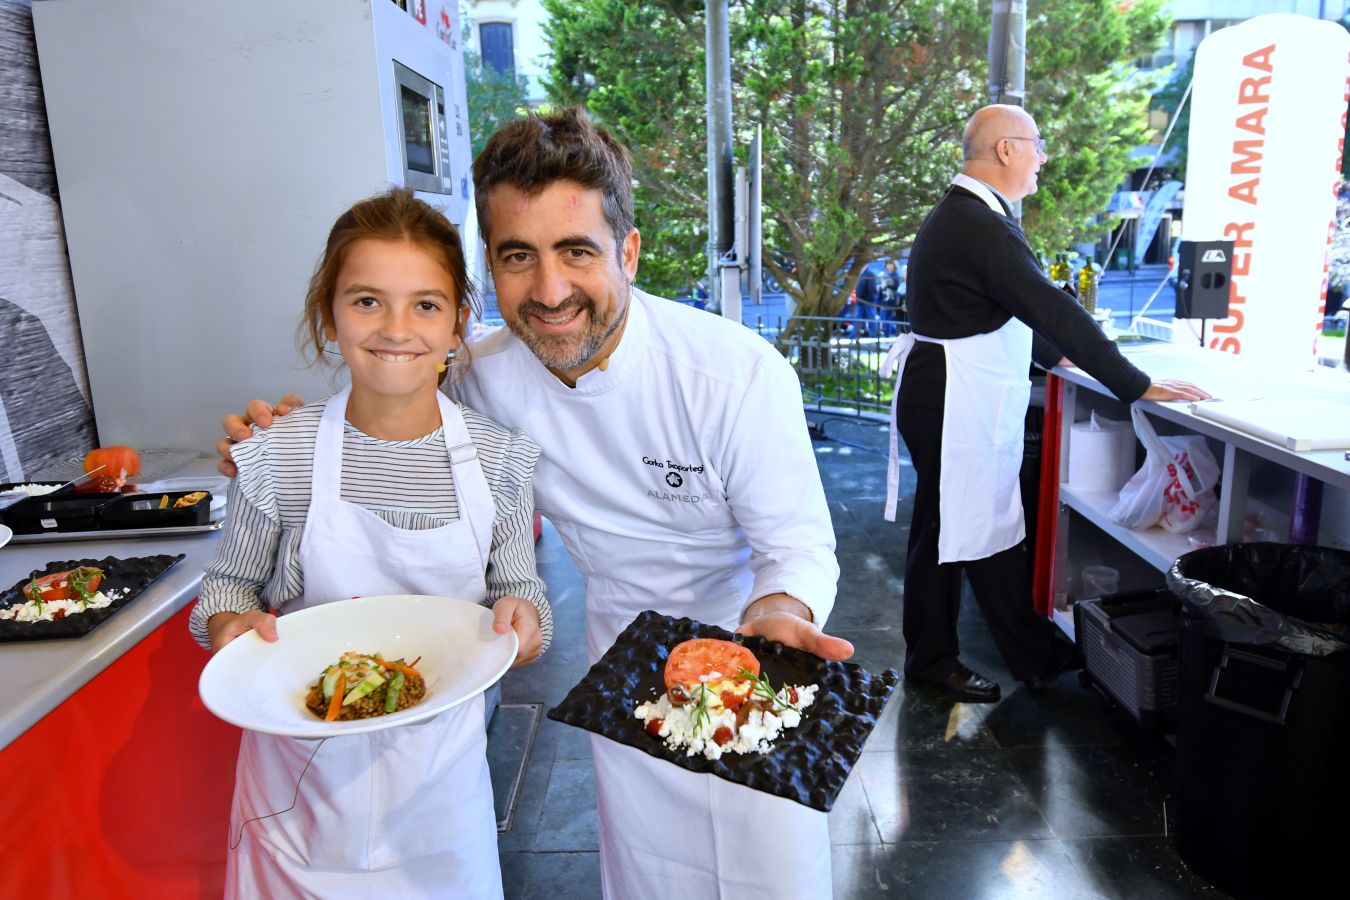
point(564, 352)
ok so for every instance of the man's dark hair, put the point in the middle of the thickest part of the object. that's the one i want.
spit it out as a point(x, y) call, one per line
point(530, 154)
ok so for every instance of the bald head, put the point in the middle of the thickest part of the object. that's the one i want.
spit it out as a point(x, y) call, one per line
point(989, 125)
point(1000, 148)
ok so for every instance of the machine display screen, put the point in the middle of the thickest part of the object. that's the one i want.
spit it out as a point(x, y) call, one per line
point(419, 134)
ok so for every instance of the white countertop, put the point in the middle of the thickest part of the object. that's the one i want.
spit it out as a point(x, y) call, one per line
point(1230, 377)
point(40, 675)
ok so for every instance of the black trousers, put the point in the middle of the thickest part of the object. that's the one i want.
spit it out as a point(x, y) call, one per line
point(1030, 644)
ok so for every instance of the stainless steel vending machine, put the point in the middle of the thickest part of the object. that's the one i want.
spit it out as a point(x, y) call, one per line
point(202, 153)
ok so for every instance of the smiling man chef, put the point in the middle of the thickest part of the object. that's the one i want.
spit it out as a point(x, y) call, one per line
point(677, 467)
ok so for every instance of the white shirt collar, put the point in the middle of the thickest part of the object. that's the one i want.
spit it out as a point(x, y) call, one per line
point(984, 191)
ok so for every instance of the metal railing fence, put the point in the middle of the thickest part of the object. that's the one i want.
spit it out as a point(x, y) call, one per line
point(838, 360)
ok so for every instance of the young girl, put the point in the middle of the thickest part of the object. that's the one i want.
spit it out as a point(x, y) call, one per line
point(386, 488)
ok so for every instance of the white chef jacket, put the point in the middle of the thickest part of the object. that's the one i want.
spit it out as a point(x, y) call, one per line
point(693, 437)
point(682, 480)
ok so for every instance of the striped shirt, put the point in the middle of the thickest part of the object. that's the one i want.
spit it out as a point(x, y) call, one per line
point(406, 483)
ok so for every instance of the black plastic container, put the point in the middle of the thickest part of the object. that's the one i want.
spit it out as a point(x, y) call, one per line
point(1129, 643)
point(53, 513)
point(143, 511)
point(1263, 718)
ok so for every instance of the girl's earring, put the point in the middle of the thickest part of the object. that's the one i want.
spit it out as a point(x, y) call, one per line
point(449, 358)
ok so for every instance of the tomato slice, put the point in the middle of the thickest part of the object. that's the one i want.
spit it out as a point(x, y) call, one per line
point(693, 660)
point(57, 586)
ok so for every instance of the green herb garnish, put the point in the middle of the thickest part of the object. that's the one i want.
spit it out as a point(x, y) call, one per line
point(79, 583)
point(701, 714)
point(33, 592)
point(765, 691)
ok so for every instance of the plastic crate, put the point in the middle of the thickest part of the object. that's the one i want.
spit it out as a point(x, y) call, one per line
point(1130, 646)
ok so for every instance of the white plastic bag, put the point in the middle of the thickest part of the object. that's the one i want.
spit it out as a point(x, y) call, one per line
point(1175, 486)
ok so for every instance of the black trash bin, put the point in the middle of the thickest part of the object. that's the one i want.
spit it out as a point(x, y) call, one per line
point(1263, 717)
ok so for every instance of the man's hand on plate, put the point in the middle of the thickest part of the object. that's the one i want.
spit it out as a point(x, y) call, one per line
point(225, 627)
point(519, 614)
point(1172, 389)
point(782, 618)
point(236, 427)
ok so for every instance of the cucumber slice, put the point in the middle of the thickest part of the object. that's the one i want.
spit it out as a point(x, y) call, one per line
point(363, 688)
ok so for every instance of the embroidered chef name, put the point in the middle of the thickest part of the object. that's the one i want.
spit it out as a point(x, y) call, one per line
point(673, 466)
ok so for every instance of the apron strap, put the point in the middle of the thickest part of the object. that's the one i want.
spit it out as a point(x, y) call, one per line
point(894, 361)
point(476, 506)
point(326, 483)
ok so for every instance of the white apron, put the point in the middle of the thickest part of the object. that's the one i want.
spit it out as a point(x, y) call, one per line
point(985, 407)
point(669, 833)
point(402, 812)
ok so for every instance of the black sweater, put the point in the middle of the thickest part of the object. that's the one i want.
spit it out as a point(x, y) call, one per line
point(970, 271)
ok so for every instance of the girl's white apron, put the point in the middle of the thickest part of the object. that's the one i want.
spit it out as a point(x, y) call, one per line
point(401, 812)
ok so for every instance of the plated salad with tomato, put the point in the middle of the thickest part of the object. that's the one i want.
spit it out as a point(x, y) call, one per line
point(50, 598)
point(718, 702)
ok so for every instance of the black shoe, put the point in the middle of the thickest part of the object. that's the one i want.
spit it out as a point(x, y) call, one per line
point(1070, 662)
point(965, 684)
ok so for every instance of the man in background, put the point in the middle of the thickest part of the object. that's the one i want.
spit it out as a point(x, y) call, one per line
point(981, 309)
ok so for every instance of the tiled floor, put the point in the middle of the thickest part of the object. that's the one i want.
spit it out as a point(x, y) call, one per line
point(1044, 795)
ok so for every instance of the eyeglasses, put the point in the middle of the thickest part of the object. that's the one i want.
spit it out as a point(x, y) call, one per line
point(1039, 142)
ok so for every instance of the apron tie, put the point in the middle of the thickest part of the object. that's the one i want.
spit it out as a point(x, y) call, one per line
point(894, 363)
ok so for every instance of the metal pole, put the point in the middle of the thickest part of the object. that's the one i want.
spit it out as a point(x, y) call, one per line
point(721, 213)
point(1008, 58)
point(1008, 53)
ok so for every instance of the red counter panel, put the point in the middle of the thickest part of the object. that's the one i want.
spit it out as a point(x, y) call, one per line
point(124, 789)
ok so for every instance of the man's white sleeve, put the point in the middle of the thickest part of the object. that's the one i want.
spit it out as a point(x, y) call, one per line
point(774, 490)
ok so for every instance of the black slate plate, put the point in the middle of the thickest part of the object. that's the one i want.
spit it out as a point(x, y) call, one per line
point(134, 574)
point(808, 764)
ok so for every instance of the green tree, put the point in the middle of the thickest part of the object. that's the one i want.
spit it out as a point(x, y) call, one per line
point(494, 98)
point(1091, 101)
point(1167, 99)
point(638, 69)
point(1345, 157)
point(862, 104)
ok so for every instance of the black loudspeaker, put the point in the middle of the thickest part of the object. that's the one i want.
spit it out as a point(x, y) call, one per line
point(1204, 277)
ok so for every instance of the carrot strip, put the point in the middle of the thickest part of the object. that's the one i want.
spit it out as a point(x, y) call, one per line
point(400, 667)
point(335, 705)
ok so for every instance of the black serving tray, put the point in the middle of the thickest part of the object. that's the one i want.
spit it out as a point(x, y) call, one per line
point(72, 514)
point(808, 764)
point(141, 510)
point(134, 574)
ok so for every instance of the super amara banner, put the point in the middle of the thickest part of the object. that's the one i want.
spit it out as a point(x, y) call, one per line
point(1268, 115)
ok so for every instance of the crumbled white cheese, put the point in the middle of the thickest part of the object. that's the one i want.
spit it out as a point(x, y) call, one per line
point(29, 611)
point(762, 727)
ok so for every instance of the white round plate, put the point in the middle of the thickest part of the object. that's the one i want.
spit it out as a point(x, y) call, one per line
point(261, 686)
point(5, 535)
